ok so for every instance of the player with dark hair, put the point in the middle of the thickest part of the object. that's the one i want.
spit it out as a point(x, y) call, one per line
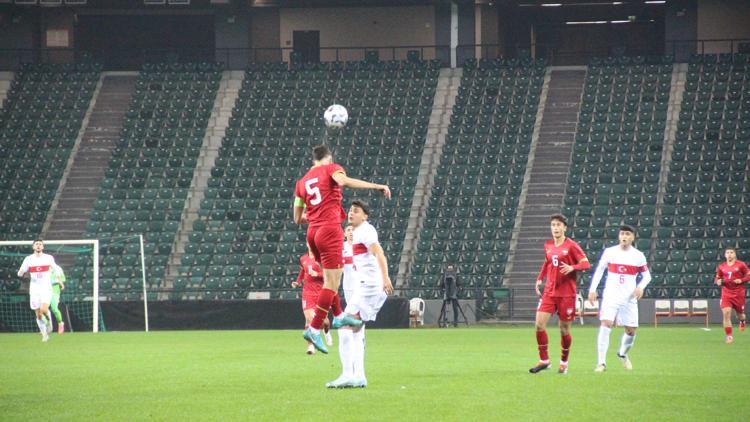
point(373, 287)
point(563, 258)
point(318, 196)
point(623, 262)
point(40, 267)
point(311, 279)
point(732, 276)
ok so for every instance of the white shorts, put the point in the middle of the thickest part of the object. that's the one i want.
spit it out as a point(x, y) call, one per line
point(39, 296)
point(623, 313)
point(349, 295)
point(367, 301)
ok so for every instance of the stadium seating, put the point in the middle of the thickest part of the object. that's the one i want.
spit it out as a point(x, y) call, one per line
point(39, 123)
point(245, 238)
point(708, 191)
point(146, 184)
point(475, 191)
point(616, 162)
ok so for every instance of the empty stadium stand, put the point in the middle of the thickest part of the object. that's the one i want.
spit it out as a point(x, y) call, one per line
point(707, 193)
point(472, 206)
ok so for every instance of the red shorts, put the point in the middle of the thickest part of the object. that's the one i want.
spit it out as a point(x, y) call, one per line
point(736, 302)
point(326, 243)
point(310, 293)
point(565, 307)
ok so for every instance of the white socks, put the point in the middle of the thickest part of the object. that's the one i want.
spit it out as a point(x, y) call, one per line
point(359, 353)
point(346, 349)
point(602, 344)
point(626, 343)
point(42, 325)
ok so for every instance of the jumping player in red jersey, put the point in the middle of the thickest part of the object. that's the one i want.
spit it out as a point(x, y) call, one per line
point(732, 276)
point(311, 279)
point(563, 258)
point(318, 197)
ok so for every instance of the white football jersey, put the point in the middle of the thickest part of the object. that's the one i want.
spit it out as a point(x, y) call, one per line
point(350, 272)
point(39, 269)
point(623, 266)
point(368, 270)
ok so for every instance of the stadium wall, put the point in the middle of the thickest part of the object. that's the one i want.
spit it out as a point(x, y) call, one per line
point(723, 19)
point(361, 27)
point(17, 31)
point(232, 32)
point(466, 30)
point(681, 23)
point(230, 315)
point(265, 32)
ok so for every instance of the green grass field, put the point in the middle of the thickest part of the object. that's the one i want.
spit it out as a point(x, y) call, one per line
point(682, 373)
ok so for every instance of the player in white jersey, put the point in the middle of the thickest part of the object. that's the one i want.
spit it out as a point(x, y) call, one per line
point(374, 286)
point(39, 265)
point(350, 277)
point(623, 263)
point(346, 336)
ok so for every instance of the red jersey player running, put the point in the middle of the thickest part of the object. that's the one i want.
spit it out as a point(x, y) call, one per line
point(732, 276)
point(311, 279)
point(320, 193)
point(563, 257)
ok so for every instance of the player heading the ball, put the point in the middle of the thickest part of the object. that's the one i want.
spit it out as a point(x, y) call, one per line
point(318, 196)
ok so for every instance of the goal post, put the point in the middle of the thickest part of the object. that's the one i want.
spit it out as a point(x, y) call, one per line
point(12, 252)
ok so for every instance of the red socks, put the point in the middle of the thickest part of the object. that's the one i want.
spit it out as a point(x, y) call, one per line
point(542, 341)
point(566, 341)
point(728, 330)
point(324, 304)
point(336, 306)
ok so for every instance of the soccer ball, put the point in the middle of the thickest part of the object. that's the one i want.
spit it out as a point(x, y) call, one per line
point(336, 116)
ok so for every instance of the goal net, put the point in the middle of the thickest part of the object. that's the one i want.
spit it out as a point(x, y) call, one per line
point(79, 301)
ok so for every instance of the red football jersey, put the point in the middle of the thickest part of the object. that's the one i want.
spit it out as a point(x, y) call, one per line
point(322, 195)
point(559, 284)
point(728, 273)
point(307, 265)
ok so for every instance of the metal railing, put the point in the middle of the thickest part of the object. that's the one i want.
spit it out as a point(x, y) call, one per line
point(239, 58)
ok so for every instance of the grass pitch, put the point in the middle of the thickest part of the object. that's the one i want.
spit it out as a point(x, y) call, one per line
point(681, 373)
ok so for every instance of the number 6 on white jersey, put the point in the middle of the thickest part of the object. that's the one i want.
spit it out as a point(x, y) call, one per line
point(313, 191)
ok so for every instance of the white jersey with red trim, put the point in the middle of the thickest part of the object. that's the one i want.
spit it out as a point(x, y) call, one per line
point(623, 267)
point(368, 270)
point(39, 269)
point(350, 272)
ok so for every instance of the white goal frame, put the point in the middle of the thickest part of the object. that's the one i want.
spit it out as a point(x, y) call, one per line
point(95, 250)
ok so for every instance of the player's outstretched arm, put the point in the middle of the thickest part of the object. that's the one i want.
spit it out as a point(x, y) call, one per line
point(24, 268)
point(300, 277)
point(746, 271)
point(582, 265)
point(597, 278)
point(299, 211)
point(641, 287)
point(377, 250)
point(60, 276)
point(540, 277)
point(350, 182)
